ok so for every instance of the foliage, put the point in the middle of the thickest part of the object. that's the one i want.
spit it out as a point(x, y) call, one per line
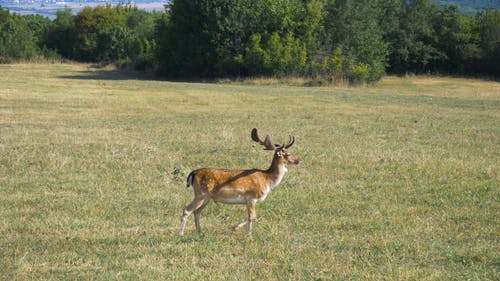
point(211, 37)
point(329, 40)
point(106, 34)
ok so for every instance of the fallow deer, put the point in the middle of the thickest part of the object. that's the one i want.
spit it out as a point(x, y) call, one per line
point(238, 186)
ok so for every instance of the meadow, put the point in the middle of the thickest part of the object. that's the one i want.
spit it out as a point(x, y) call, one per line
point(398, 181)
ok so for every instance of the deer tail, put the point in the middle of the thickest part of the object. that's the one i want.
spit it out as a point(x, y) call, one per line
point(190, 178)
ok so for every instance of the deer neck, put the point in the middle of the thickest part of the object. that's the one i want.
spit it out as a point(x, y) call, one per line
point(276, 172)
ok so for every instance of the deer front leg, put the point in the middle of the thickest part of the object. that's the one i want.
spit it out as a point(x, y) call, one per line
point(250, 217)
point(238, 226)
point(251, 214)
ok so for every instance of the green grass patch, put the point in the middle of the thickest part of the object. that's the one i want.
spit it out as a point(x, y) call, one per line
point(398, 181)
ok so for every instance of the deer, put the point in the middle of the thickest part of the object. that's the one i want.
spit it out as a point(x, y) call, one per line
point(247, 187)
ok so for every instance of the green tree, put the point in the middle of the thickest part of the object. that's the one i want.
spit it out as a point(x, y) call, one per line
point(142, 43)
point(109, 34)
point(113, 43)
point(295, 55)
point(257, 60)
point(210, 37)
point(61, 34)
point(313, 28)
point(187, 42)
point(353, 26)
point(488, 24)
point(89, 23)
point(17, 40)
point(457, 40)
point(414, 45)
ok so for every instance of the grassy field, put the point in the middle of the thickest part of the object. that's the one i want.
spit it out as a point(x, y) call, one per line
point(397, 181)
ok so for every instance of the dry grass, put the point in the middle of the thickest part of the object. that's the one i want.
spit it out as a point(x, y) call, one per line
point(398, 181)
point(441, 86)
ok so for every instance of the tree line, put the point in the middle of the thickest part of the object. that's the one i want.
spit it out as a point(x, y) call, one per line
point(330, 40)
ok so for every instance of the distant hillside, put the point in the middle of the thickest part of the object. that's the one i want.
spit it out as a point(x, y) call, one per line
point(471, 7)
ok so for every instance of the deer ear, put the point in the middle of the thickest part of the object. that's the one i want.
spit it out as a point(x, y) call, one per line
point(278, 153)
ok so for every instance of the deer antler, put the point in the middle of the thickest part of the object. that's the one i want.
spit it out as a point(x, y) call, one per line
point(290, 142)
point(267, 143)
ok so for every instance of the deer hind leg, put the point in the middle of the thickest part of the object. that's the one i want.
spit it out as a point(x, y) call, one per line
point(194, 205)
point(197, 213)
